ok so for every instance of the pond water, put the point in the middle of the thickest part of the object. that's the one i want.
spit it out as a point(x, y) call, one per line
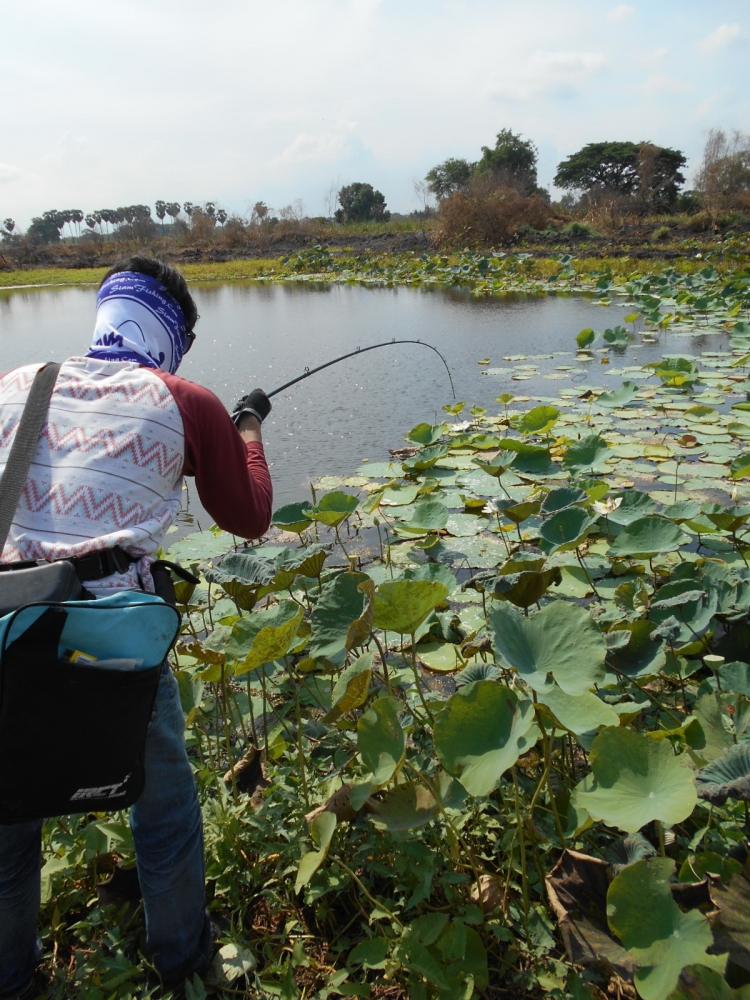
point(252, 334)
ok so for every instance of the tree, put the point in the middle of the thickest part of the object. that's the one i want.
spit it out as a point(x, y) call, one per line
point(625, 168)
point(161, 211)
point(210, 209)
point(221, 216)
point(361, 203)
point(91, 222)
point(724, 173)
point(9, 225)
point(187, 208)
point(659, 176)
point(512, 162)
point(450, 176)
point(173, 210)
point(259, 213)
point(44, 229)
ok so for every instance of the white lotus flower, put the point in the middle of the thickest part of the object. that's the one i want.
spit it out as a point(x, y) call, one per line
point(607, 506)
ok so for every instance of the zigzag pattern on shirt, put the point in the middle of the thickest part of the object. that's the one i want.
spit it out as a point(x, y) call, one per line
point(19, 378)
point(84, 502)
point(147, 389)
point(125, 446)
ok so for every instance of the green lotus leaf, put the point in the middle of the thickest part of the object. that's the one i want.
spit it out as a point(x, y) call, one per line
point(532, 459)
point(341, 602)
point(589, 454)
point(402, 605)
point(406, 807)
point(635, 780)
point(727, 777)
point(321, 831)
point(585, 338)
point(633, 506)
point(580, 713)
point(432, 573)
point(292, 518)
point(441, 657)
point(333, 508)
point(426, 516)
point(641, 655)
point(561, 641)
point(199, 546)
point(697, 982)
point(537, 421)
point(425, 459)
point(398, 496)
point(617, 337)
point(740, 467)
point(264, 636)
point(351, 688)
point(735, 677)
point(522, 580)
point(566, 529)
point(481, 732)
point(561, 498)
point(659, 936)
point(619, 397)
point(426, 434)
point(381, 739)
point(648, 536)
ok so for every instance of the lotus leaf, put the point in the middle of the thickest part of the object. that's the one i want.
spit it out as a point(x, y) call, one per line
point(425, 459)
point(589, 454)
point(292, 518)
point(340, 603)
point(263, 637)
point(561, 641)
point(633, 506)
point(635, 780)
point(402, 605)
point(581, 713)
point(351, 688)
point(642, 654)
point(561, 498)
point(481, 733)
point(381, 739)
point(648, 536)
point(426, 516)
point(406, 807)
point(426, 434)
point(566, 529)
point(333, 508)
point(736, 677)
point(620, 397)
point(728, 776)
point(537, 421)
point(585, 337)
point(321, 831)
point(660, 937)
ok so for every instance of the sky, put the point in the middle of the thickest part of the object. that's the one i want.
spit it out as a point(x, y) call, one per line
point(237, 101)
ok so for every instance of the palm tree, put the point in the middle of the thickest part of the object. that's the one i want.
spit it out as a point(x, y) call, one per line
point(76, 215)
point(187, 208)
point(221, 216)
point(161, 211)
point(173, 210)
point(91, 222)
point(9, 225)
point(210, 210)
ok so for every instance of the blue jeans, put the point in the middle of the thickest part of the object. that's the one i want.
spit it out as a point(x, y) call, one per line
point(168, 834)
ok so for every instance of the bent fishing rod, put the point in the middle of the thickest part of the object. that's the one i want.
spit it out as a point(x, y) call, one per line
point(361, 350)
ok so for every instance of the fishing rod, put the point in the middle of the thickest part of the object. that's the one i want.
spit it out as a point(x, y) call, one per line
point(361, 350)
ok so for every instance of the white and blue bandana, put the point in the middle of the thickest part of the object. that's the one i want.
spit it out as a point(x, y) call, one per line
point(137, 320)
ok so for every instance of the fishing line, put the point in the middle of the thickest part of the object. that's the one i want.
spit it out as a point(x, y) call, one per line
point(361, 350)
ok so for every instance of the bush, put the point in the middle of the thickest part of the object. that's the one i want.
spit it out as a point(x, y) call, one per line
point(577, 230)
point(661, 233)
point(484, 217)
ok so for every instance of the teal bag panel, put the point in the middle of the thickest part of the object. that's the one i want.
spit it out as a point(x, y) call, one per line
point(125, 625)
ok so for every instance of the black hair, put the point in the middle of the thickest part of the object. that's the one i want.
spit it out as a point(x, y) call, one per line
point(173, 282)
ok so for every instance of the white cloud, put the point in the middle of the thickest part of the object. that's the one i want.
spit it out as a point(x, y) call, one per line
point(725, 34)
point(320, 147)
point(9, 173)
point(621, 13)
point(660, 83)
point(550, 74)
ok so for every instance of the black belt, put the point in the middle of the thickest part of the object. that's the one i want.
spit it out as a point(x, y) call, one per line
point(94, 566)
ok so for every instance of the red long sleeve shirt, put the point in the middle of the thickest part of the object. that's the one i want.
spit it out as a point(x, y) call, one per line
point(231, 475)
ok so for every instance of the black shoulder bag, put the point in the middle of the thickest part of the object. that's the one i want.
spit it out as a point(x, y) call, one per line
point(78, 678)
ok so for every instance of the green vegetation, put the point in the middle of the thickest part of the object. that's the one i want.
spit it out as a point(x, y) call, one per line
point(475, 721)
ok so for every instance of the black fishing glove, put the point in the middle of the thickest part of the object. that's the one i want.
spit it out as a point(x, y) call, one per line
point(255, 403)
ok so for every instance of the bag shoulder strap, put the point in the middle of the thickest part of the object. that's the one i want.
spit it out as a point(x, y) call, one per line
point(24, 443)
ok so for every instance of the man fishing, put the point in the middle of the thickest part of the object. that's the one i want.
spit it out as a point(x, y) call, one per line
point(122, 431)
